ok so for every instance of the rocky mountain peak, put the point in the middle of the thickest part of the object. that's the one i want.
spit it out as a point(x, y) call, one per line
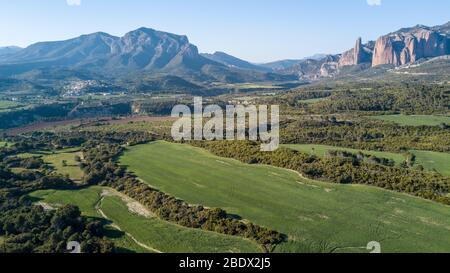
point(357, 55)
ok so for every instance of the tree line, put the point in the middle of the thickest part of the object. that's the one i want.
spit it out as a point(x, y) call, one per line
point(343, 170)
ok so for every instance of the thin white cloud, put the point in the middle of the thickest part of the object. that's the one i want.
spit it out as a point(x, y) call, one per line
point(73, 2)
point(374, 2)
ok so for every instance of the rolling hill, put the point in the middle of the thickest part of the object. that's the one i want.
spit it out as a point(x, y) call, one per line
point(232, 61)
point(8, 51)
point(316, 216)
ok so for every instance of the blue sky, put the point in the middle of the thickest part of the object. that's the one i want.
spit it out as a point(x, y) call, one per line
point(256, 30)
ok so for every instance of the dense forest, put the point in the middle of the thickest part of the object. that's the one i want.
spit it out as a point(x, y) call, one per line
point(405, 98)
point(411, 100)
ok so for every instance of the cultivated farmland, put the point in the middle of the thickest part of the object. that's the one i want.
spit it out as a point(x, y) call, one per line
point(316, 216)
point(415, 120)
point(434, 160)
point(141, 232)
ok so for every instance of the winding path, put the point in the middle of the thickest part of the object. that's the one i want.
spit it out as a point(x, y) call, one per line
point(102, 213)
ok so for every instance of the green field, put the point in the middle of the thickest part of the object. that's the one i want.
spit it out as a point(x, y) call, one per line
point(316, 216)
point(240, 86)
point(415, 120)
point(154, 233)
point(167, 237)
point(3, 144)
point(429, 160)
point(434, 160)
point(85, 199)
point(71, 168)
point(5, 104)
point(322, 150)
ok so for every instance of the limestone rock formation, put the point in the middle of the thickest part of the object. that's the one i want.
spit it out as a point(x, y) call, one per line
point(409, 45)
point(357, 55)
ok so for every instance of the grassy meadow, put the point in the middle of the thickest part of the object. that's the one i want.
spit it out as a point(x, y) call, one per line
point(3, 144)
point(434, 160)
point(322, 150)
point(316, 216)
point(415, 120)
point(429, 160)
point(6, 105)
point(71, 166)
point(62, 161)
point(168, 237)
point(153, 234)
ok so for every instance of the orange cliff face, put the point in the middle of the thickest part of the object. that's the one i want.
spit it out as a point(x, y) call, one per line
point(358, 55)
point(407, 47)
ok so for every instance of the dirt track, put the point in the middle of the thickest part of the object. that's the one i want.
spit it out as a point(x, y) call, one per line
point(98, 207)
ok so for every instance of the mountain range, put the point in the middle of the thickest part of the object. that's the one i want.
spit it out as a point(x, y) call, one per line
point(8, 51)
point(156, 55)
point(141, 50)
point(403, 47)
point(412, 44)
point(232, 61)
